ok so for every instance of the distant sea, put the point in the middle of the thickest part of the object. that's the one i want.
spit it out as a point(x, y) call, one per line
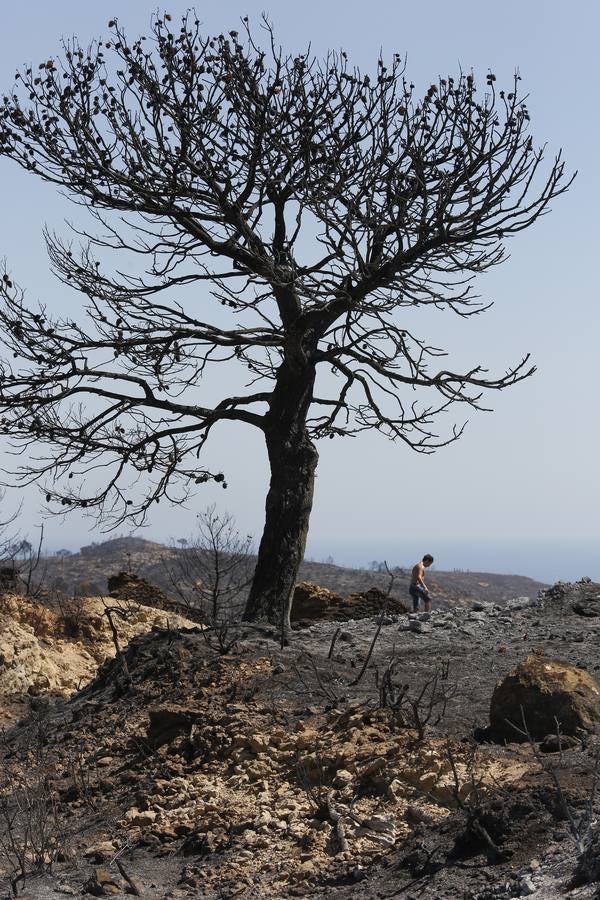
point(547, 560)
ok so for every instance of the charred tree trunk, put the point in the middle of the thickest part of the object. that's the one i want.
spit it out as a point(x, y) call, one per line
point(293, 459)
point(288, 507)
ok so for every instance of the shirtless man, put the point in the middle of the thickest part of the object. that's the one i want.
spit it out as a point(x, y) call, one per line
point(418, 589)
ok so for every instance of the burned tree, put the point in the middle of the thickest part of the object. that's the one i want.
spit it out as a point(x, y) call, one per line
point(211, 571)
point(285, 215)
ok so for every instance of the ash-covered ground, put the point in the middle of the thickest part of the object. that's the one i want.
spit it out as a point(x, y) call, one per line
point(336, 766)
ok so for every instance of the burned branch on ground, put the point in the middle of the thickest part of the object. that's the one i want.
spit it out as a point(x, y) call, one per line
point(380, 622)
point(582, 826)
point(115, 611)
point(420, 707)
point(32, 833)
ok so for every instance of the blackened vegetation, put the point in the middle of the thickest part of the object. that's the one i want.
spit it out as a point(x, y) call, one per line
point(210, 572)
point(309, 204)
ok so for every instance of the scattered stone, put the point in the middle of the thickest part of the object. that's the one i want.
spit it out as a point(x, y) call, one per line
point(477, 617)
point(342, 778)
point(419, 627)
point(40, 686)
point(101, 883)
point(518, 603)
point(482, 606)
point(101, 851)
point(142, 818)
point(258, 743)
point(526, 886)
point(255, 813)
point(589, 607)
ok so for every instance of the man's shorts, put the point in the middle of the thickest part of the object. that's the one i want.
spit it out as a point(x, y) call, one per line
point(417, 593)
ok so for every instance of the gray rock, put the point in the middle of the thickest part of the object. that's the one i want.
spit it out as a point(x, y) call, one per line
point(482, 606)
point(477, 617)
point(589, 607)
point(470, 632)
point(526, 886)
point(518, 603)
point(419, 627)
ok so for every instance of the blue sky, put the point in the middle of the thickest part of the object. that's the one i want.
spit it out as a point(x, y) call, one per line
point(527, 472)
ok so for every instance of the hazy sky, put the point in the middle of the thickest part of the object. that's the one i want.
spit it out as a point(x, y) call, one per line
point(527, 471)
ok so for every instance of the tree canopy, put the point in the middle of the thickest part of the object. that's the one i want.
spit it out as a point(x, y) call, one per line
point(284, 214)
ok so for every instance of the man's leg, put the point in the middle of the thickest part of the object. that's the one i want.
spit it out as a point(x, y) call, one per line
point(414, 593)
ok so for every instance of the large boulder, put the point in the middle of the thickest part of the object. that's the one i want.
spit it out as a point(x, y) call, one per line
point(547, 691)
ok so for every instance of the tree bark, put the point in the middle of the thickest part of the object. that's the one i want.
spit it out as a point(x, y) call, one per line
point(293, 460)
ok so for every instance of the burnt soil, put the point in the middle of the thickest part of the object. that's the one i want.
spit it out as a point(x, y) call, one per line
point(214, 775)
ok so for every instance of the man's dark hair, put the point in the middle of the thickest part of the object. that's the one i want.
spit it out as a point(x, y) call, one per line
point(428, 558)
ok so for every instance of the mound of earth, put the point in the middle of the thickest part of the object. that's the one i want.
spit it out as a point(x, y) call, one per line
point(132, 588)
point(582, 598)
point(129, 586)
point(53, 650)
point(312, 603)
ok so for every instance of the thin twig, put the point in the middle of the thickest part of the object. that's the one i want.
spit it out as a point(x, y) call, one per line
point(382, 616)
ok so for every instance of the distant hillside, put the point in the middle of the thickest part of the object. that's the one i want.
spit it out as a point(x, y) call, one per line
point(88, 571)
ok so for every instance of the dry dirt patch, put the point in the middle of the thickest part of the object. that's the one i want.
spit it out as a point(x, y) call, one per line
point(37, 657)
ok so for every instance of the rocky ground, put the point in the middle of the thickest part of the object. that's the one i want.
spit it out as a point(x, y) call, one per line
point(352, 763)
